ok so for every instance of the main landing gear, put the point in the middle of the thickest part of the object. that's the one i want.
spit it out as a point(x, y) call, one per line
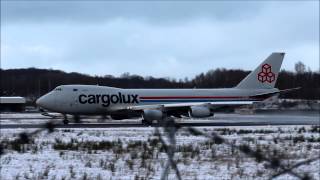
point(76, 119)
point(145, 122)
point(65, 119)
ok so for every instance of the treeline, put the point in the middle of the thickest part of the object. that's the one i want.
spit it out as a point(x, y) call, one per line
point(34, 82)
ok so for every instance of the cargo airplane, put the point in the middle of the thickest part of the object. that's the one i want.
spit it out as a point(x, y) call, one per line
point(155, 104)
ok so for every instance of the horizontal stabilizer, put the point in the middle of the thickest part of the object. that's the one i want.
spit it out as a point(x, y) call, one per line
point(289, 90)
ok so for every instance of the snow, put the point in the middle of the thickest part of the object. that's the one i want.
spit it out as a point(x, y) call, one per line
point(32, 118)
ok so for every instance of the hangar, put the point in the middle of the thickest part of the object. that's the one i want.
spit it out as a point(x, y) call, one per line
point(13, 103)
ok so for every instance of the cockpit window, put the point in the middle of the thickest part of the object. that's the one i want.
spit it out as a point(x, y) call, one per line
point(58, 89)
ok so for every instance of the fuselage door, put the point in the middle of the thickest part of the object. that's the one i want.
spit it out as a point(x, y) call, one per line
point(74, 104)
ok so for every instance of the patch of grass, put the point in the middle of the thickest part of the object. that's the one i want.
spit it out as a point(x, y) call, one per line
point(130, 164)
point(19, 145)
point(298, 139)
point(315, 129)
point(88, 146)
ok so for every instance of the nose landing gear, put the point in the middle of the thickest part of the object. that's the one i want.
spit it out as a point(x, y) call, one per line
point(76, 119)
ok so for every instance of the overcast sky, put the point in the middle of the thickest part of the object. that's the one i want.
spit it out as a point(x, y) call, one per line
point(162, 39)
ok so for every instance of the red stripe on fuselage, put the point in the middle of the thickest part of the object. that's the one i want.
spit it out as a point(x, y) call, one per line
point(193, 97)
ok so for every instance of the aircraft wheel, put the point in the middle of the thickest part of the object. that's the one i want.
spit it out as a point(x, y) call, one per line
point(77, 119)
point(145, 122)
point(65, 121)
point(103, 118)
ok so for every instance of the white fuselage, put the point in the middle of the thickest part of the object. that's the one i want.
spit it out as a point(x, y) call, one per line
point(91, 99)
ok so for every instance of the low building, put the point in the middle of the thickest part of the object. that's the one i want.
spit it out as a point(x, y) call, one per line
point(15, 103)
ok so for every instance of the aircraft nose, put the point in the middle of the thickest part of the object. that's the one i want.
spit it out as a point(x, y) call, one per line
point(41, 101)
point(46, 102)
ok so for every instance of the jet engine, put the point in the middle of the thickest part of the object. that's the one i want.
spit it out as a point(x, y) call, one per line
point(200, 112)
point(152, 114)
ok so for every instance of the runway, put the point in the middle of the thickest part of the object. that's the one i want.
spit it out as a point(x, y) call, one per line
point(129, 125)
point(12, 121)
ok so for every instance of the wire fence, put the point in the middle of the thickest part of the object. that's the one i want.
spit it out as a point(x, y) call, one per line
point(166, 132)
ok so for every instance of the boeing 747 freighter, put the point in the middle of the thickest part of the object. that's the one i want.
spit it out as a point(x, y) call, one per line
point(155, 104)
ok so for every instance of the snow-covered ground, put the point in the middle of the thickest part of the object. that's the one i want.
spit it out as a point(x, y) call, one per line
point(36, 118)
point(136, 153)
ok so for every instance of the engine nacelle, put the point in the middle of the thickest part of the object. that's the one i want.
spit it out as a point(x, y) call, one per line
point(200, 112)
point(152, 114)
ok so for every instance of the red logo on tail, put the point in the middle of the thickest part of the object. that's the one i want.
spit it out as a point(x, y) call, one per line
point(266, 75)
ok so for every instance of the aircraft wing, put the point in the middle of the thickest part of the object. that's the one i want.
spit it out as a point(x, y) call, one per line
point(173, 106)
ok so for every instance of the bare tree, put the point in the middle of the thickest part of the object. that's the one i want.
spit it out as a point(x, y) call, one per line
point(300, 67)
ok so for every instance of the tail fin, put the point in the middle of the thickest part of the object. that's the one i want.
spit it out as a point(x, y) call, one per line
point(265, 75)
